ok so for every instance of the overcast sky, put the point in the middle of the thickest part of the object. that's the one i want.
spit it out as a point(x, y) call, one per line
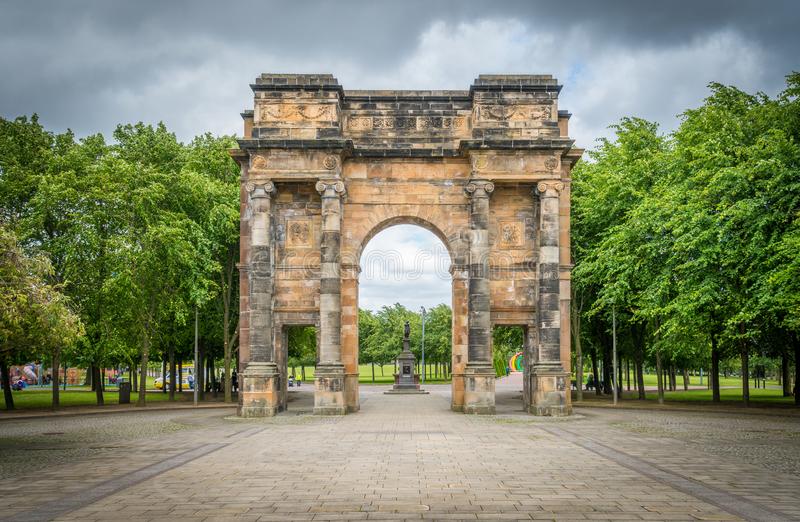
point(90, 65)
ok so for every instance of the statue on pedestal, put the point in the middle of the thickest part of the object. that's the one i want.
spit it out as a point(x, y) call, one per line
point(405, 380)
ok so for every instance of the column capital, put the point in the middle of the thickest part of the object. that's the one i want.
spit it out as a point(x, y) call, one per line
point(550, 189)
point(331, 188)
point(479, 188)
point(265, 189)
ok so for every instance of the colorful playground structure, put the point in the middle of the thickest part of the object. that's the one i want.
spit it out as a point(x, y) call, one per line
point(516, 363)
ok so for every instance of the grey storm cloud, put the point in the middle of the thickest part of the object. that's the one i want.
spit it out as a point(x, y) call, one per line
point(88, 65)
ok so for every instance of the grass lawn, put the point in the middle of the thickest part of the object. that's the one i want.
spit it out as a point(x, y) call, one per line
point(768, 396)
point(365, 374)
point(728, 396)
point(34, 398)
point(651, 379)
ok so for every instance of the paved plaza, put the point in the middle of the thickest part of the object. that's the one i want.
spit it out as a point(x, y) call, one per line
point(402, 457)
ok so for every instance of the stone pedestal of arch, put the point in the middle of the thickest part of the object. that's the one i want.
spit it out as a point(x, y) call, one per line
point(323, 170)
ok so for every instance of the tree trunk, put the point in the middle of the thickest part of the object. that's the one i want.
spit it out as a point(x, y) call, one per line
point(97, 379)
point(640, 380)
point(212, 373)
point(638, 332)
point(141, 401)
point(163, 374)
point(65, 376)
point(89, 381)
point(172, 378)
point(373, 372)
point(303, 372)
point(227, 339)
point(796, 369)
point(55, 402)
point(628, 373)
point(180, 376)
point(786, 380)
point(714, 377)
point(660, 373)
point(619, 376)
point(595, 372)
point(6, 376)
point(685, 379)
point(199, 373)
point(576, 339)
point(608, 368)
point(745, 372)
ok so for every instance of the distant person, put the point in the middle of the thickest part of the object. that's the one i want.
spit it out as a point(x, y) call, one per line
point(235, 381)
point(508, 371)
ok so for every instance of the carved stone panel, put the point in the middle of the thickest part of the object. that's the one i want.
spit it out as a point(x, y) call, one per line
point(280, 113)
point(507, 113)
point(299, 233)
point(510, 234)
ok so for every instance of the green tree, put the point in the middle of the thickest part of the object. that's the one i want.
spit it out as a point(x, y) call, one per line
point(34, 316)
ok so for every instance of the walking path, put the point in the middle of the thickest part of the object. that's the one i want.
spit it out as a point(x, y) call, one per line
point(403, 457)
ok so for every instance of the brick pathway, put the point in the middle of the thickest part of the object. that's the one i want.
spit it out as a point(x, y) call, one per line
point(409, 457)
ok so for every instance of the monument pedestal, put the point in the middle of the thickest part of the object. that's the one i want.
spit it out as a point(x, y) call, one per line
point(260, 390)
point(406, 381)
point(549, 391)
point(329, 392)
point(479, 389)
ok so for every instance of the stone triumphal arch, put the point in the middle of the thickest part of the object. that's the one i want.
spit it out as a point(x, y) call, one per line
point(324, 169)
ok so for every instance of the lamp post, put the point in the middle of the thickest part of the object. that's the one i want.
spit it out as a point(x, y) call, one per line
point(423, 344)
point(614, 342)
point(195, 357)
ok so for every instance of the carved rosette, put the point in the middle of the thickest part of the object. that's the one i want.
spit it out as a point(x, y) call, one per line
point(551, 163)
point(550, 189)
point(330, 162)
point(479, 162)
point(479, 189)
point(258, 162)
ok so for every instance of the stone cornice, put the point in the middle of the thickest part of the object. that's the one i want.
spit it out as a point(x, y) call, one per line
point(540, 144)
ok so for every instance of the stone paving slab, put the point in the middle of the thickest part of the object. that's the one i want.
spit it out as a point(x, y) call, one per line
point(410, 458)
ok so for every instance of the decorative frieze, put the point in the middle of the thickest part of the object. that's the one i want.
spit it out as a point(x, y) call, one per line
point(287, 112)
point(507, 113)
point(407, 123)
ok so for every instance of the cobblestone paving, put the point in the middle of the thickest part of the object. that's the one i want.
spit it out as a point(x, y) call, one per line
point(402, 457)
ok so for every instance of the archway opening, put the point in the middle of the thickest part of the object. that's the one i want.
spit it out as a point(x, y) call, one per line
point(405, 276)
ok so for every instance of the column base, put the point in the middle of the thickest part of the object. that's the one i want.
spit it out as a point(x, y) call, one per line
point(549, 392)
point(351, 392)
point(479, 389)
point(329, 396)
point(260, 390)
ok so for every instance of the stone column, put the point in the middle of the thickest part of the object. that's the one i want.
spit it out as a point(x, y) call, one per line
point(548, 378)
point(260, 379)
point(479, 373)
point(329, 398)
